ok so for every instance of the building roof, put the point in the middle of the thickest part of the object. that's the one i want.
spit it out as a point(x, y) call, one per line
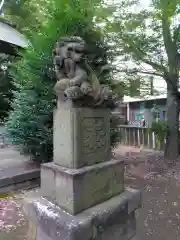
point(11, 35)
point(128, 99)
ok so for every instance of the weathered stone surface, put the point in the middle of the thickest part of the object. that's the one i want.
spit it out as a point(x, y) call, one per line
point(133, 238)
point(131, 225)
point(81, 136)
point(41, 235)
point(116, 232)
point(112, 224)
point(78, 189)
point(48, 182)
point(134, 199)
point(105, 221)
point(32, 231)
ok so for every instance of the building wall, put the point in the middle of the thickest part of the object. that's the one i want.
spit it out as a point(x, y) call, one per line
point(139, 110)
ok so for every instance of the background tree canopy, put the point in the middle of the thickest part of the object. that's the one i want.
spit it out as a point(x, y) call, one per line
point(148, 42)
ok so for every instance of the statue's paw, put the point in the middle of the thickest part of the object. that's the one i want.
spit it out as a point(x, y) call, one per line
point(86, 88)
point(73, 93)
point(62, 84)
point(85, 91)
point(72, 83)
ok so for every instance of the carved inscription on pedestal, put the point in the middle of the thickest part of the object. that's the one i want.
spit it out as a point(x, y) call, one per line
point(94, 135)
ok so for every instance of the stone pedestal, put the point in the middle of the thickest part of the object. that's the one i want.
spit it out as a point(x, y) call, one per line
point(83, 195)
point(111, 220)
point(81, 136)
point(75, 190)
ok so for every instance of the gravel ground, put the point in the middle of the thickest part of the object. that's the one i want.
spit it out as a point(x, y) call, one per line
point(13, 225)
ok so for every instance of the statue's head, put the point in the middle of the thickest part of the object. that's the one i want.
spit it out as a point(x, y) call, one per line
point(69, 47)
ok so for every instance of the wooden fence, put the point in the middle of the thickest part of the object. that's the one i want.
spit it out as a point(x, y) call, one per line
point(138, 136)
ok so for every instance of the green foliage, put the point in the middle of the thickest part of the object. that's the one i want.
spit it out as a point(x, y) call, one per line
point(25, 15)
point(160, 129)
point(118, 87)
point(147, 39)
point(30, 122)
point(115, 133)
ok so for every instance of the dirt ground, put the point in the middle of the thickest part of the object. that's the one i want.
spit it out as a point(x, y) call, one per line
point(159, 217)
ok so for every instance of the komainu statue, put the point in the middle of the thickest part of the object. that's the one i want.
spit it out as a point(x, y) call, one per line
point(76, 80)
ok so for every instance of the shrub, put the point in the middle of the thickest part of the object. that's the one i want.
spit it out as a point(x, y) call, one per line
point(160, 129)
point(115, 121)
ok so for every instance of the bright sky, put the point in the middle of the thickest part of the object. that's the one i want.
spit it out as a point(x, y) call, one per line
point(145, 3)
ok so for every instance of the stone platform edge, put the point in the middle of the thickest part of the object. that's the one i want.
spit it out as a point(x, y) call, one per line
point(89, 224)
point(80, 171)
point(19, 180)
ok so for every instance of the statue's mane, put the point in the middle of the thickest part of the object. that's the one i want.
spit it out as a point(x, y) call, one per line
point(84, 63)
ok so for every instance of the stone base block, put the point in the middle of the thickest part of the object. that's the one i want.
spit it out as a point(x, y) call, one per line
point(75, 190)
point(111, 220)
point(81, 136)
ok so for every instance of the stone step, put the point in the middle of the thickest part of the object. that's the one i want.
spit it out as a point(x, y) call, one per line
point(17, 177)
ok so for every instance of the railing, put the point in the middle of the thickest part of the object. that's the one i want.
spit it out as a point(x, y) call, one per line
point(139, 136)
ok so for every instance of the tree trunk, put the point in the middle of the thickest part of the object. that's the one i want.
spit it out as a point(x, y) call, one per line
point(172, 140)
